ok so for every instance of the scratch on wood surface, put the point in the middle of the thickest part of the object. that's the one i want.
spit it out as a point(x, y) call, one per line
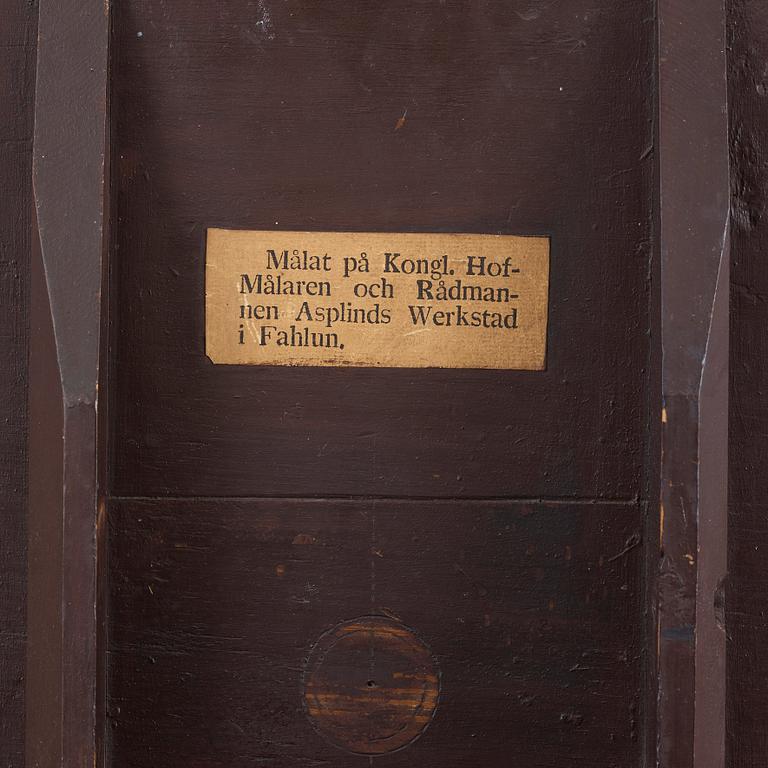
point(101, 514)
point(632, 542)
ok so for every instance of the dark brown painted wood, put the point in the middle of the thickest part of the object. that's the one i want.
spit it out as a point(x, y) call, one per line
point(530, 119)
point(478, 117)
point(535, 118)
point(68, 175)
point(530, 612)
point(203, 134)
point(694, 322)
point(745, 595)
point(17, 47)
point(44, 637)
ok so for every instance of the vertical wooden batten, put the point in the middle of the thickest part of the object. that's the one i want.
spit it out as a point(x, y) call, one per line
point(68, 178)
point(694, 210)
point(17, 60)
point(745, 601)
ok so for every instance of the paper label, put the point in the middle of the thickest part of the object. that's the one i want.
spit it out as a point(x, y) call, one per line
point(376, 299)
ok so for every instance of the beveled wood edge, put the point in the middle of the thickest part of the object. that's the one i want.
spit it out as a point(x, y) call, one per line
point(694, 215)
point(69, 161)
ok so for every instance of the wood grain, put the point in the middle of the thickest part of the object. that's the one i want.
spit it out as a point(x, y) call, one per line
point(498, 515)
point(742, 603)
point(370, 685)
point(17, 56)
point(531, 613)
point(532, 119)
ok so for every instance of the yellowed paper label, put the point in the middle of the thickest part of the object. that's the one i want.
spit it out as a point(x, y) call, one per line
point(376, 299)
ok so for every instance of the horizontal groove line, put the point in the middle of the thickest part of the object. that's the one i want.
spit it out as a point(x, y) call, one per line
point(555, 500)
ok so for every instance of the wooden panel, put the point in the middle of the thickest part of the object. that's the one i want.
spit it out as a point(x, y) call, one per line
point(14, 275)
point(234, 614)
point(693, 216)
point(533, 118)
point(745, 603)
point(17, 35)
point(531, 613)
